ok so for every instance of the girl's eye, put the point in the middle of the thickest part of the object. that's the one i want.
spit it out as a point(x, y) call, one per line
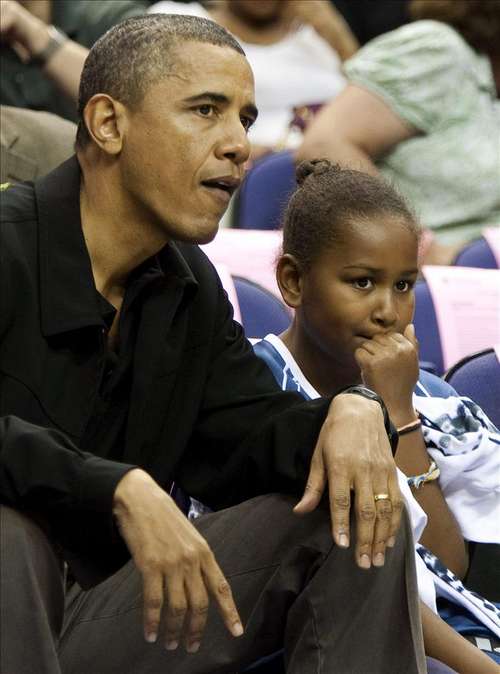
point(404, 286)
point(362, 283)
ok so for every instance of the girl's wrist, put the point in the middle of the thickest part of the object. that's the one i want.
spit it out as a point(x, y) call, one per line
point(400, 417)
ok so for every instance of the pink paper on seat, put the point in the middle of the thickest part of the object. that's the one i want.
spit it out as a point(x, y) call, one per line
point(248, 253)
point(467, 305)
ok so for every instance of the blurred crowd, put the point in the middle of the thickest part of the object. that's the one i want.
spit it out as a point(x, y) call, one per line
point(405, 88)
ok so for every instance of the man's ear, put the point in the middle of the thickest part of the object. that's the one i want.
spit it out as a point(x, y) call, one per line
point(106, 119)
point(289, 278)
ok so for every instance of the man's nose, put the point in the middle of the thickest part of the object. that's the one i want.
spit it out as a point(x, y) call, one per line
point(235, 144)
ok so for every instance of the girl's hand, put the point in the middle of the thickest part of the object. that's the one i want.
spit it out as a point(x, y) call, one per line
point(389, 366)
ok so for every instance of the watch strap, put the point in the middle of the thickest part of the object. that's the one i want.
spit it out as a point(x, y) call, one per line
point(56, 40)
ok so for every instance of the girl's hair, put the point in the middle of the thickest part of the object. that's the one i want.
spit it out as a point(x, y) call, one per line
point(327, 200)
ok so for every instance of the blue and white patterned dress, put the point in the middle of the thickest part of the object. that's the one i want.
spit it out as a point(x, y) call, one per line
point(466, 447)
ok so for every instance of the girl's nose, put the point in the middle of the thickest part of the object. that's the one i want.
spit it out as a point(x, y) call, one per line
point(384, 312)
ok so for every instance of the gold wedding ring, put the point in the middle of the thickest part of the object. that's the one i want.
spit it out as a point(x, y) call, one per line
point(381, 497)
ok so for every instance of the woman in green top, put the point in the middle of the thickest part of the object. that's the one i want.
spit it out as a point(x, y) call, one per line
point(422, 107)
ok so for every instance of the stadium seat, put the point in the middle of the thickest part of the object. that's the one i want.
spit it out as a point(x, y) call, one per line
point(478, 377)
point(476, 254)
point(265, 192)
point(261, 311)
point(427, 331)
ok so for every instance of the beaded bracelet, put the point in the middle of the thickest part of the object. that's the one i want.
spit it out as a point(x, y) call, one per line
point(432, 474)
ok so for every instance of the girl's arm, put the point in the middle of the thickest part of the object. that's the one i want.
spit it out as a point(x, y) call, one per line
point(442, 535)
point(444, 644)
point(389, 366)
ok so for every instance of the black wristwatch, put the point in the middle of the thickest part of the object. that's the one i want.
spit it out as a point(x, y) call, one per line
point(366, 392)
point(56, 40)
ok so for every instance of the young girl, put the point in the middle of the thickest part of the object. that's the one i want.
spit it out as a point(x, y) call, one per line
point(348, 268)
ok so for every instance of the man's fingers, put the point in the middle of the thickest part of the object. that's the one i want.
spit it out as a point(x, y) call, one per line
point(397, 504)
point(196, 616)
point(383, 509)
point(365, 522)
point(152, 605)
point(175, 612)
point(316, 483)
point(220, 590)
point(340, 508)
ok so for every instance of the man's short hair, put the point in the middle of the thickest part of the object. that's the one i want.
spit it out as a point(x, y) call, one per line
point(137, 53)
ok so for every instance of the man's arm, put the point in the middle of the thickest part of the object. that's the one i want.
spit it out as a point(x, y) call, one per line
point(41, 469)
point(251, 438)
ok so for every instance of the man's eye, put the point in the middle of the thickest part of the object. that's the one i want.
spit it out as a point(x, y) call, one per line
point(362, 283)
point(246, 122)
point(205, 110)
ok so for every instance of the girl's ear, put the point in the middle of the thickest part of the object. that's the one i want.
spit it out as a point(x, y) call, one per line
point(289, 278)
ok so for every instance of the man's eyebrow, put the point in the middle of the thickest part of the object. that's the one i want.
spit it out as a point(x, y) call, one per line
point(214, 97)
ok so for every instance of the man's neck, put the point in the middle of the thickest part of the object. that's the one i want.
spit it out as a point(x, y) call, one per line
point(118, 238)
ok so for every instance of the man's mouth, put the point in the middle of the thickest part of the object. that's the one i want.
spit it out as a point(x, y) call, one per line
point(227, 184)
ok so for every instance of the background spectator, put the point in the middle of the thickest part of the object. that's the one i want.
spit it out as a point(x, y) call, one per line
point(38, 61)
point(295, 50)
point(32, 143)
point(422, 107)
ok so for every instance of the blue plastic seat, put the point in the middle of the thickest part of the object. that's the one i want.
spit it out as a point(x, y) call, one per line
point(427, 330)
point(478, 377)
point(261, 311)
point(476, 254)
point(265, 192)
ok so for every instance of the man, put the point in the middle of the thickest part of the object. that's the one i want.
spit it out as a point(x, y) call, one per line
point(121, 370)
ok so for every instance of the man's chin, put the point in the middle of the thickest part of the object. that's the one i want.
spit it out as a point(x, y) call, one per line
point(199, 235)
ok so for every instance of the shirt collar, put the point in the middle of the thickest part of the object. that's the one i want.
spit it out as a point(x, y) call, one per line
point(68, 296)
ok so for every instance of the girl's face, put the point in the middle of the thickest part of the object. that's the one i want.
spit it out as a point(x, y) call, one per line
point(360, 288)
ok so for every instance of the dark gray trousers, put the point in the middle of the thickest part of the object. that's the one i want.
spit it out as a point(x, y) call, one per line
point(293, 587)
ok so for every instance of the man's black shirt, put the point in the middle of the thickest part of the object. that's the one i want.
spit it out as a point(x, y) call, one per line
point(185, 397)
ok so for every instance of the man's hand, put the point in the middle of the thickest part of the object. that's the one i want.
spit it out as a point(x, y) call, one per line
point(178, 568)
point(353, 453)
point(389, 366)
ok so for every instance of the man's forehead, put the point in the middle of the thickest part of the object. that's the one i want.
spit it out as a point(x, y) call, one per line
point(197, 67)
